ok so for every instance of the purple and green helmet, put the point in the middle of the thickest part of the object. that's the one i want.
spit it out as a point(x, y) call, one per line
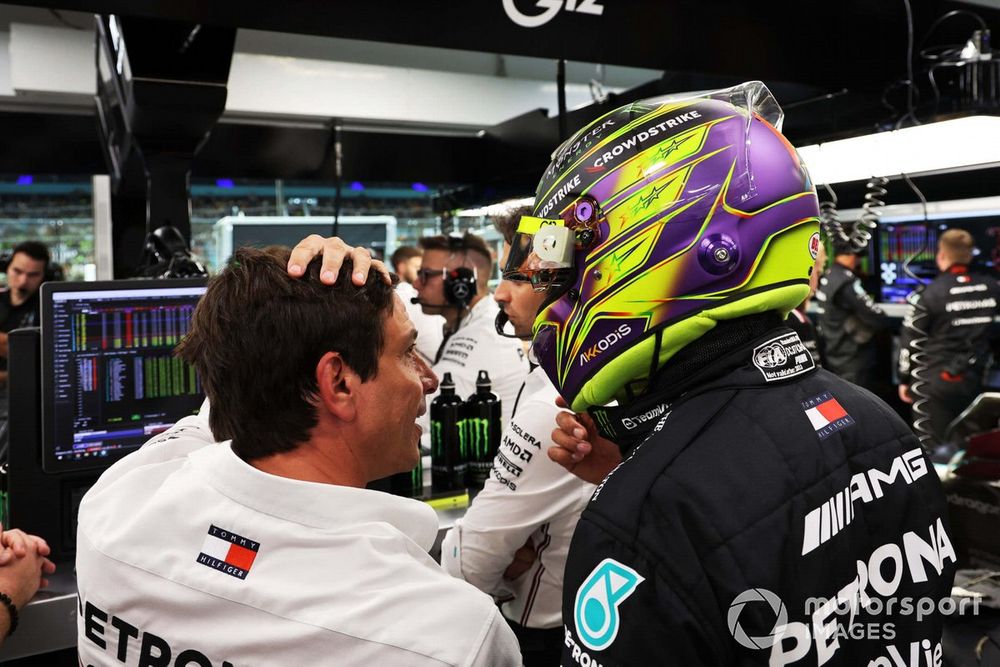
point(655, 222)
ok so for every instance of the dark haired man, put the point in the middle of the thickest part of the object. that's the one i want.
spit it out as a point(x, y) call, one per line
point(848, 320)
point(453, 282)
point(267, 548)
point(513, 540)
point(406, 262)
point(19, 302)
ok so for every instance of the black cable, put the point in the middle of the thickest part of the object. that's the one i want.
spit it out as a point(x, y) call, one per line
point(947, 15)
point(59, 17)
point(338, 173)
point(927, 231)
point(911, 107)
point(561, 86)
point(819, 98)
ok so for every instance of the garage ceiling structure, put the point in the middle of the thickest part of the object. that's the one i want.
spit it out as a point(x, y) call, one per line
point(837, 68)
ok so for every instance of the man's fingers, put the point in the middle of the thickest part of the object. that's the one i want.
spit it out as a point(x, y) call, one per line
point(41, 546)
point(48, 567)
point(562, 457)
point(561, 402)
point(384, 270)
point(362, 260)
point(17, 541)
point(582, 449)
point(334, 252)
point(5, 556)
point(587, 421)
point(566, 440)
point(568, 422)
point(364, 264)
point(303, 253)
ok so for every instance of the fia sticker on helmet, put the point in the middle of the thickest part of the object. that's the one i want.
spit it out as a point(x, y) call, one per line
point(814, 245)
point(597, 601)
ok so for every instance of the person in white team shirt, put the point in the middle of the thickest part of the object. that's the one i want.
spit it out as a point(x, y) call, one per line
point(529, 507)
point(266, 549)
point(453, 282)
point(406, 262)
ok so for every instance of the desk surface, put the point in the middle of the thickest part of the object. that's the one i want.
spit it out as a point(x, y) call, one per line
point(48, 622)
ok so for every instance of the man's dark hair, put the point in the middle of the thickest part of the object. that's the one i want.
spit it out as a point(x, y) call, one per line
point(35, 250)
point(257, 335)
point(507, 223)
point(404, 253)
point(470, 244)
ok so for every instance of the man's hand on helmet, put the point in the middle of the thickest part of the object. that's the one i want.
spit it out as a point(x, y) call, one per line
point(580, 449)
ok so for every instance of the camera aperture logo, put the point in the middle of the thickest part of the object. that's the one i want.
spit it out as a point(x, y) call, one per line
point(770, 604)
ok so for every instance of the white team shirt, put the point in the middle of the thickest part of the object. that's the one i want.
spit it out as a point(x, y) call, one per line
point(527, 494)
point(430, 328)
point(184, 549)
point(477, 346)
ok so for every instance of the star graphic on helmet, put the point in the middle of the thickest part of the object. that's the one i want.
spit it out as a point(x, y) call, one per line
point(644, 202)
point(674, 145)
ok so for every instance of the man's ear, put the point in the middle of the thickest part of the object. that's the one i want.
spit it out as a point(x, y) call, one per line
point(338, 386)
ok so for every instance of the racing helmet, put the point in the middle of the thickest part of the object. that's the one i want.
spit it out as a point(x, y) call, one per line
point(655, 222)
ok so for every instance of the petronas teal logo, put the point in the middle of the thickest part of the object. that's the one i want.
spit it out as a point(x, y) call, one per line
point(597, 601)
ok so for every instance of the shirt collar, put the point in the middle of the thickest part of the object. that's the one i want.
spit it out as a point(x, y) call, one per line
point(484, 308)
point(312, 504)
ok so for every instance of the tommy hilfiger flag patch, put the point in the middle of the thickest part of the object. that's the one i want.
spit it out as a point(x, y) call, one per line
point(228, 552)
point(826, 414)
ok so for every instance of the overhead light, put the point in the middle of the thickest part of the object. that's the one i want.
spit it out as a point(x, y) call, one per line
point(973, 141)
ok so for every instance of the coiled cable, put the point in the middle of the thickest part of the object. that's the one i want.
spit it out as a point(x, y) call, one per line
point(860, 233)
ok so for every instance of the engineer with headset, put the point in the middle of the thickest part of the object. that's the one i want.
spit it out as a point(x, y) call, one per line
point(453, 282)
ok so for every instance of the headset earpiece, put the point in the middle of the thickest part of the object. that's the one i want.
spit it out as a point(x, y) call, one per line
point(460, 286)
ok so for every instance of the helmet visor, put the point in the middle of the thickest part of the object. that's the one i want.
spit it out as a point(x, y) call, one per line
point(532, 257)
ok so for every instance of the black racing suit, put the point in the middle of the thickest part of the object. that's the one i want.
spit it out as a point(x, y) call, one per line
point(771, 504)
point(799, 322)
point(944, 347)
point(848, 320)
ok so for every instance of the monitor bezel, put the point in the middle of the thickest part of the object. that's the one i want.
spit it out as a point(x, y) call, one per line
point(51, 464)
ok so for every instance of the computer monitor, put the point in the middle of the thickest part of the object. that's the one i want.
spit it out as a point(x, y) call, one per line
point(905, 249)
point(109, 378)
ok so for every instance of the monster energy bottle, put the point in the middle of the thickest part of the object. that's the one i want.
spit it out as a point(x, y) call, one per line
point(409, 483)
point(448, 452)
point(482, 431)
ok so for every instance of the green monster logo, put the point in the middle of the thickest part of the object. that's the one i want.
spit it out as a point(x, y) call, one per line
point(436, 438)
point(417, 476)
point(481, 430)
point(475, 435)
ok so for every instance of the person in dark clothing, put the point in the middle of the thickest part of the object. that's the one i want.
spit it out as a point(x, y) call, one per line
point(848, 321)
point(798, 319)
point(19, 301)
point(945, 341)
point(751, 509)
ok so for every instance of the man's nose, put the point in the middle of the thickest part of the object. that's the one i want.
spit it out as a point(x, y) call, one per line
point(430, 380)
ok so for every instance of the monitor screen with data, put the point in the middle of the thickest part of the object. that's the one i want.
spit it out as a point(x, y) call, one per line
point(110, 380)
